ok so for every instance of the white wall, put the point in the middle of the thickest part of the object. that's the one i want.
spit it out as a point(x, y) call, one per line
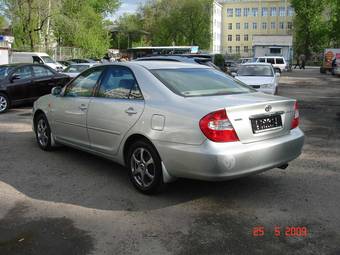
point(217, 28)
point(4, 56)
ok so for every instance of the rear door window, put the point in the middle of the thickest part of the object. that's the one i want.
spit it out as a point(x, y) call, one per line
point(42, 71)
point(271, 61)
point(119, 83)
point(279, 61)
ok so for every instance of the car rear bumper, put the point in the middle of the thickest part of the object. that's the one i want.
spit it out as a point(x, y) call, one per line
point(222, 161)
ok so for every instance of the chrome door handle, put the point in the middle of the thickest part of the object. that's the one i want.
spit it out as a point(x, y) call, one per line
point(83, 107)
point(130, 110)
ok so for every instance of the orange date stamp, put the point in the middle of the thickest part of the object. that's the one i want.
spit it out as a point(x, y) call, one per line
point(289, 231)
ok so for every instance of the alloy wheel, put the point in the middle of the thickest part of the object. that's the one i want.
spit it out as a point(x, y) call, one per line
point(143, 167)
point(3, 103)
point(42, 132)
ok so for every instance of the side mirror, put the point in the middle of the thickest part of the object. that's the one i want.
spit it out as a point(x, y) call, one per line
point(15, 77)
point(56, 91)
point(233, 74)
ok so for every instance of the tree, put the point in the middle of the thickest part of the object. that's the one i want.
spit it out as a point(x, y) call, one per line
point(334, 23)
point(2, 22)
point(310, 26)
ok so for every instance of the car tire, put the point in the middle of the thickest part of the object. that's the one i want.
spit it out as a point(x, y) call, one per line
point(4, 103)
point(145, 168)
point(43, 132)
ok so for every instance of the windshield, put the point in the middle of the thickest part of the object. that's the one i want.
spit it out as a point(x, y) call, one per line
point(4, 71)
point(76, 68)
point(189, 82)
point(255, 70)
point(47, 59)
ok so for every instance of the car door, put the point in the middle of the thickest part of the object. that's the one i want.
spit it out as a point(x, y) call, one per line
point(117, 106)
point(69, 111)
point(20, 82)
point(43, 81)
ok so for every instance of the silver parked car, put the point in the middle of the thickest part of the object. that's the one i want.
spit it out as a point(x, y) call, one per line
point(164, 120)
point(74, 69)
point(260, 76)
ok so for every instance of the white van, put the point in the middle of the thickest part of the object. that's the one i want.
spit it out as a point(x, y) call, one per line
point(36, 58)
point(279, 63)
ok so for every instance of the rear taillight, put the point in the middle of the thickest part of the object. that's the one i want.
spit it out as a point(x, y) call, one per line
point(217, 127)
point(295, 121)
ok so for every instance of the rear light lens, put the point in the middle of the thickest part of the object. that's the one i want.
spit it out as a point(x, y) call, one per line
point(217, 127)
point(296, 119)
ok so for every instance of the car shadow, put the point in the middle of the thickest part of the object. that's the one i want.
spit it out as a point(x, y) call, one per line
point(71, 176)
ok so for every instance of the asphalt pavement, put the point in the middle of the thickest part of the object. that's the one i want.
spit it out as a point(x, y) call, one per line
point(69, 202)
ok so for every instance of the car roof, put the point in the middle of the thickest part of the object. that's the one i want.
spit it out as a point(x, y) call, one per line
point(152, 65)
point(20, 64)
point(256, 64)
point(271, 57)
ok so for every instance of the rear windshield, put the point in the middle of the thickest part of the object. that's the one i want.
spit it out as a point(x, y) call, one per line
point(76, 68)
point(4, 71)
point(190, 82)
point(255, 70)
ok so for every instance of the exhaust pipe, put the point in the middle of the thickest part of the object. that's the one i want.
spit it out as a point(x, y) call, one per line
point(284, 166)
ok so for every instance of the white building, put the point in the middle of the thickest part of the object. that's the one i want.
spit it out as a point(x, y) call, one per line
point(5, 46)
point(273, 45)
point(216, 28)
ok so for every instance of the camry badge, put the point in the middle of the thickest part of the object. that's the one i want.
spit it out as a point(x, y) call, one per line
point(268, 108)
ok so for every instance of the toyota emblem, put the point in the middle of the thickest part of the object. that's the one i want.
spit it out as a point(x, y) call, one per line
point(268, 108)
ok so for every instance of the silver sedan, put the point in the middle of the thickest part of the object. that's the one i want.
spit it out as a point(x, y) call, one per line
point(165, 120)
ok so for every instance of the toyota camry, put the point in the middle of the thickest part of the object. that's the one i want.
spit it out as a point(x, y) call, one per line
point(168, 120)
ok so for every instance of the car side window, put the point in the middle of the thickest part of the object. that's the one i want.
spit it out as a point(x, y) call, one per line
point(37, 60)
point(42, 71)
point(84, 84)
point(279, 61)
point(119, 82)
point(262, 60)
point(24, 72)
point(271, 61)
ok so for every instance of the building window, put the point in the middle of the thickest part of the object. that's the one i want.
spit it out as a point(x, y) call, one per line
point(246, 12)
point(230, 12)
point(246, 25)
point(237, 49)
point(264, 25)
point(238, 38)
point(282, 25)
point(254, 25)
point(273, 11)
point(238, 12)
point(230, 38)
point(246, 37)
point(282, 11)
point(230, 49)
point(290, 11)
point(254, 11)
point(264, 12)
point(275, 51)
point(230, 26)
point(245, 49)
point(273, 25)
point(290, 25)
point(238, 26)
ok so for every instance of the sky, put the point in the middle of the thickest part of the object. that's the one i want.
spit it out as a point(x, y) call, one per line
point(128, 6)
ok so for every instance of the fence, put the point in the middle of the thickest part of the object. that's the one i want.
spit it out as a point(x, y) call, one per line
point(57, 53)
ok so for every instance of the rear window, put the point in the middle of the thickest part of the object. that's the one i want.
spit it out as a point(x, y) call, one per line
point(190, 82)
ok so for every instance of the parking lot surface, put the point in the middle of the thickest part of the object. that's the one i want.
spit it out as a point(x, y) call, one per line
point(70, 202)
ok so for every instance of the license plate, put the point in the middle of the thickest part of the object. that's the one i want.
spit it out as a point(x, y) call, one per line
point(266, 123)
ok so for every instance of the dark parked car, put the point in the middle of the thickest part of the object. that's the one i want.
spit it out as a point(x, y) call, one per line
point(24, 83)
point(81, 61)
